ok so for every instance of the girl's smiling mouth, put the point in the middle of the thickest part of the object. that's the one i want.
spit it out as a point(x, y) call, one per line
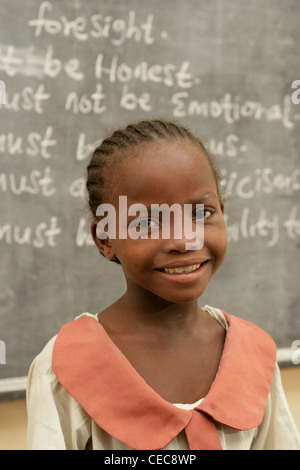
point(183, 274)
point(185, 269)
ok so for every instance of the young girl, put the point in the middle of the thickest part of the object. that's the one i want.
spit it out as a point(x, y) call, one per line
point(154, 370)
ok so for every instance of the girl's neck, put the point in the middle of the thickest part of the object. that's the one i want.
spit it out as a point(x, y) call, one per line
point(157, 313)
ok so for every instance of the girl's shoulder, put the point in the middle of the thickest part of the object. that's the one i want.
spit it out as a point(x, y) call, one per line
point(218, 314)
point(42, 363)
point(41, 366)
point(233, 322)
point(86, 314)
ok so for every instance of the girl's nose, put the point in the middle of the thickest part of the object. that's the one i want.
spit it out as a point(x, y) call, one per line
point(182, 245)
point(190, 236)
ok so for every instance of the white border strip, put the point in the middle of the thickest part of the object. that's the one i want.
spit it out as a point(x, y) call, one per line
point(287, 355)
point(15, 384)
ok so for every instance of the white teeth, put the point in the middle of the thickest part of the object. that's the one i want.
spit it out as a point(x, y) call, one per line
point(185, 269)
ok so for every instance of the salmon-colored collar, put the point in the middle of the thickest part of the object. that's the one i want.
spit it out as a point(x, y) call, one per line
point(100, 378)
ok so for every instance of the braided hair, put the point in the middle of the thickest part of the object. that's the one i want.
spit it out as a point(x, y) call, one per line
point(113, 149)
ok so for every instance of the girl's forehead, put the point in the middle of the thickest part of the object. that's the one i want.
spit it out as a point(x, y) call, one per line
point(176, 154)
point(164, 171)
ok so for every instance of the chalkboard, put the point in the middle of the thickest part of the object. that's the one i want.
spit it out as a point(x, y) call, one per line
point(75, 70)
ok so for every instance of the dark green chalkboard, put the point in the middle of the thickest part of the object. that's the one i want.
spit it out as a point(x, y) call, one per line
point(75, 70)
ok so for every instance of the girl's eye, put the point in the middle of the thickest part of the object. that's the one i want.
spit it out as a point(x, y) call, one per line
point(204, 213)
point(144, 224)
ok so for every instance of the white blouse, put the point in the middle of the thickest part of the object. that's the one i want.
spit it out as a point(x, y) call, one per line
point(57, 422)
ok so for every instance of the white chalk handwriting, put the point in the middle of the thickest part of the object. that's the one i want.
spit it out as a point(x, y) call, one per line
point(97, 26)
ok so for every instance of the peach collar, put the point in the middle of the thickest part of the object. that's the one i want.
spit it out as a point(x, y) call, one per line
point(100, 378)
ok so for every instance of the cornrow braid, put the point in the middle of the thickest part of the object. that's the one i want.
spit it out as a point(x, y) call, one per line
point(113, 149)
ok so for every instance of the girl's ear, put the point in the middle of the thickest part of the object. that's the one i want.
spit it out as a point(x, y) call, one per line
point(104, 245)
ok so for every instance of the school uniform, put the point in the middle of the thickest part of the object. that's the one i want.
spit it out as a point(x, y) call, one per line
point(84, 394)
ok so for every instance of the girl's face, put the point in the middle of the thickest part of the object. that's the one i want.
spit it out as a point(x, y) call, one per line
point(170, 172)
